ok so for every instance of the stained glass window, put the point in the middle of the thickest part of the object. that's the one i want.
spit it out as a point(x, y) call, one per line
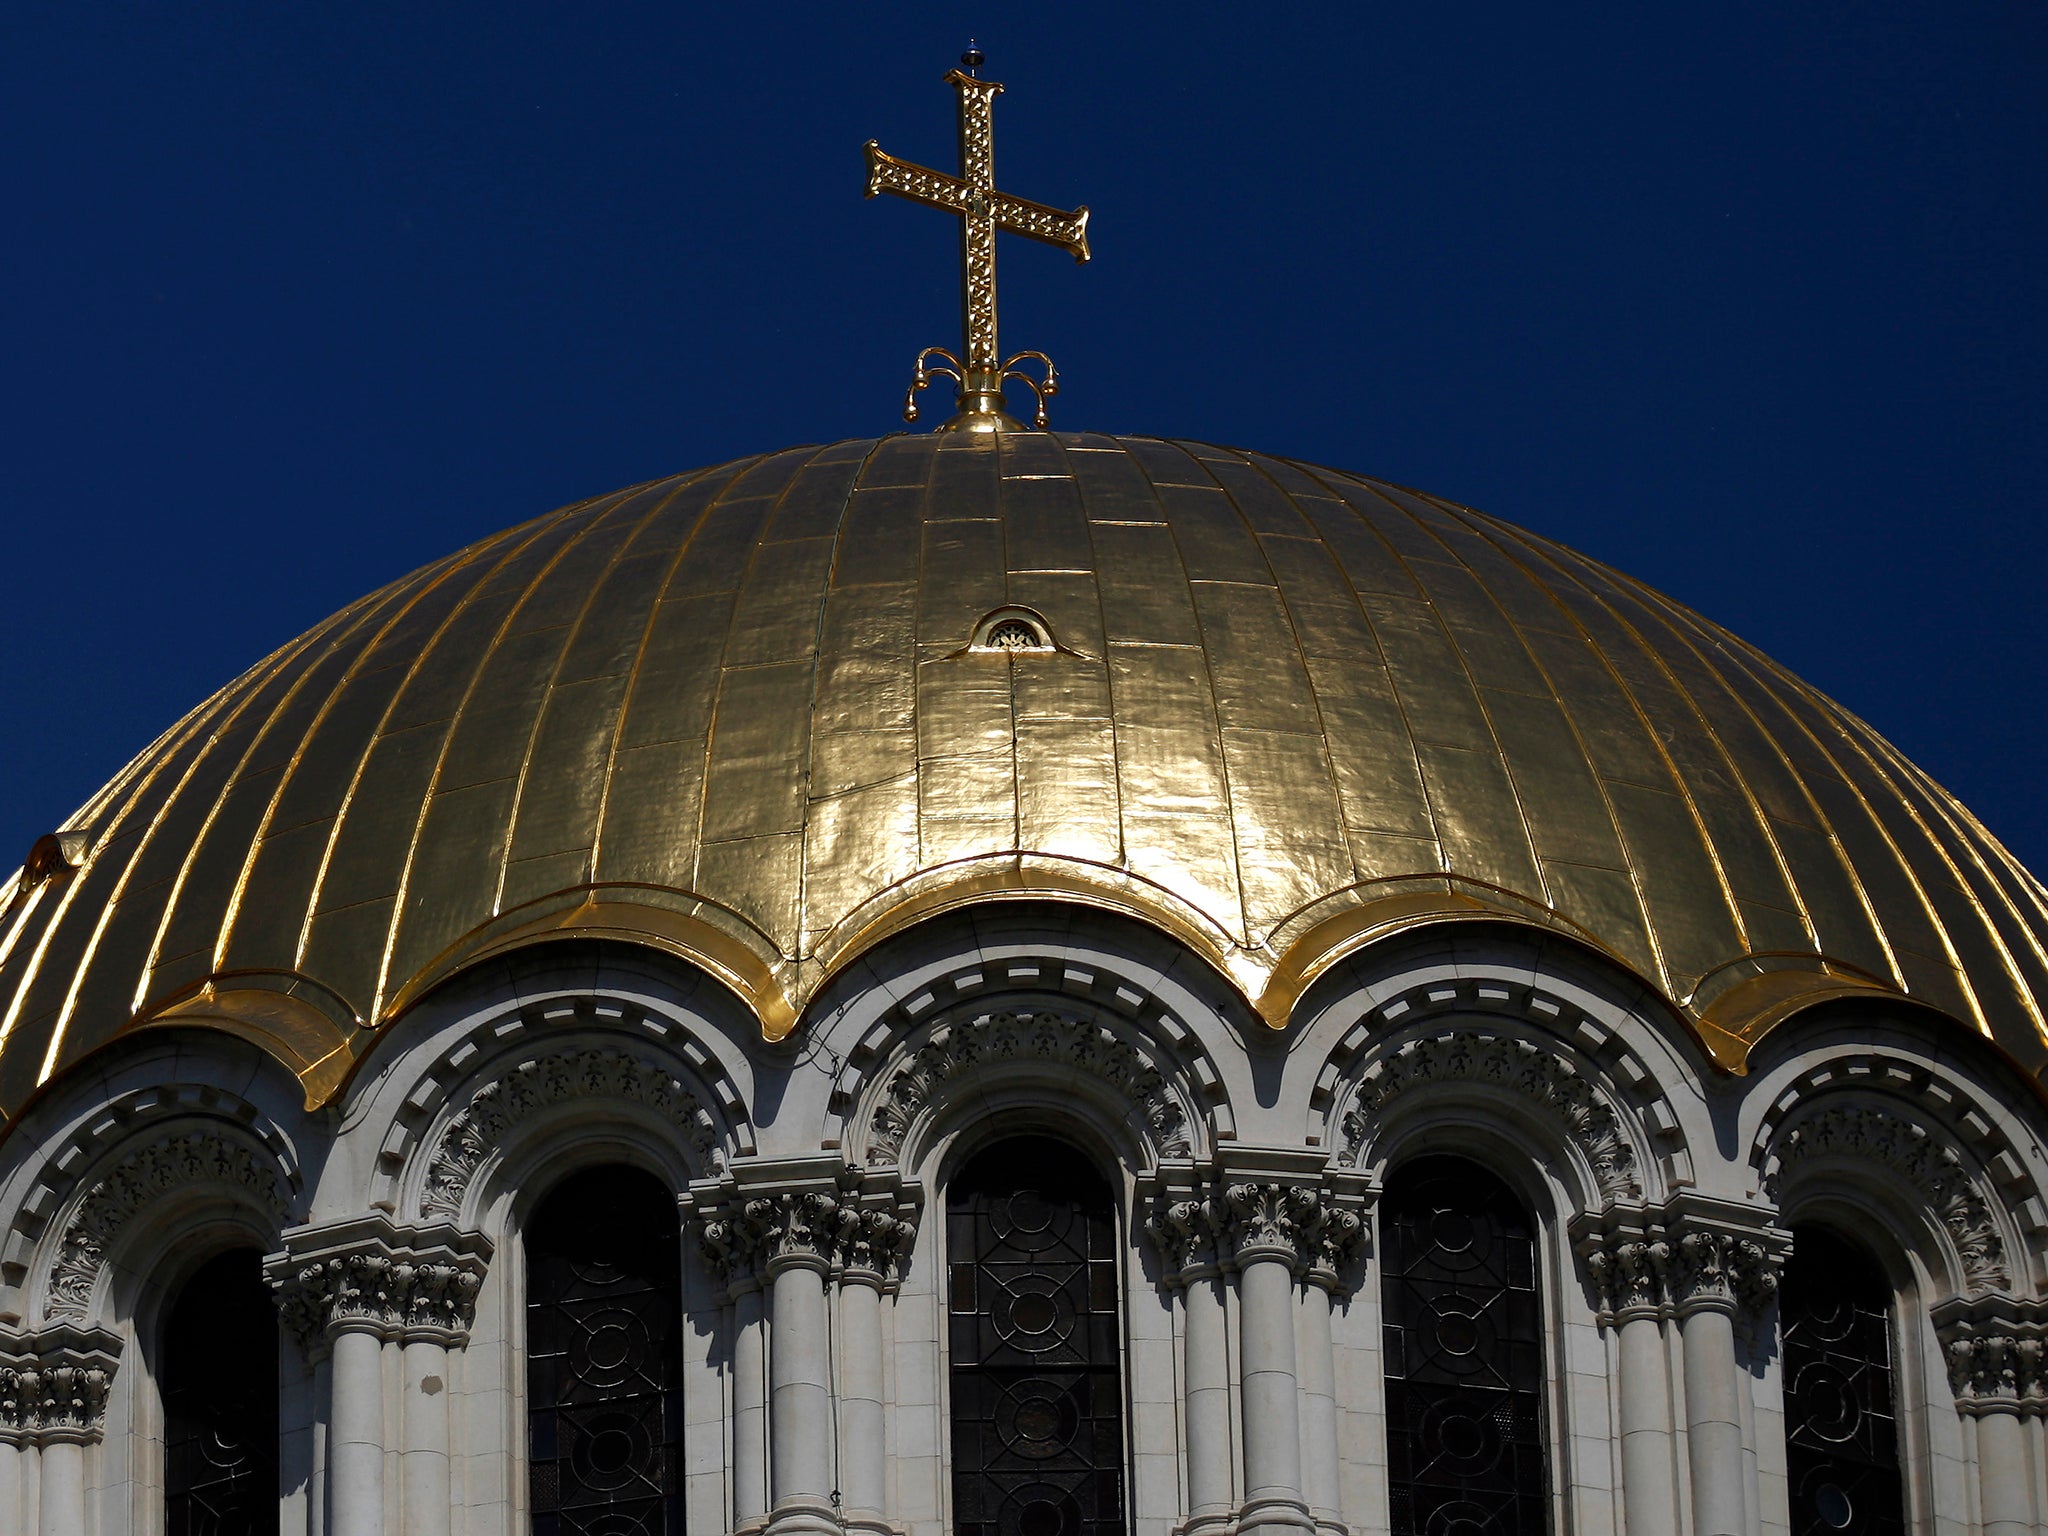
point(219, 1384)
point(603, 1357)
point(1464, 1354)
point(1841, 1436)
point(1036, 1385)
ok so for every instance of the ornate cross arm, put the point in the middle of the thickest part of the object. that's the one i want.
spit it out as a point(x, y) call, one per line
point(1018, 215)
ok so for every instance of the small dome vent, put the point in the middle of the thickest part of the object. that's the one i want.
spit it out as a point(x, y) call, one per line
point(1015, 630)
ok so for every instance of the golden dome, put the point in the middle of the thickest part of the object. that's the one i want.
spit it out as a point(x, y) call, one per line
point(765, 714)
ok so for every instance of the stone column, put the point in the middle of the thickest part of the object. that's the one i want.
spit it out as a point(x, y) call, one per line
point(801, 1231)
point(874, 1244)
point(1715, 1274)
point(749, 1408)
point(53, 1397)
point(355, 1444)
point(1183, 1233)
point(13, 1517)
point(1997, 1348)
point(1270, 1226)
point(1630, 1274)
point(424, 1476)
point(1338, 1237)
point(346, 1291)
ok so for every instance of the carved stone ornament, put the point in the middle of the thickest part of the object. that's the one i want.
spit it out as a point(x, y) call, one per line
point(1933, 1168)
point(54, 1384)
point(1296, 1220)
point(397, 1282)
point(593, 1073)
point(1996, 1348)
point(859, 1227)
point(956, 1050)
point(1690, 1255)
point(182, 1162)
point(1543, 1077)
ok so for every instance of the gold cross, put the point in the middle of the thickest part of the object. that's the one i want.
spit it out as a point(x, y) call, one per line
point(982, 210)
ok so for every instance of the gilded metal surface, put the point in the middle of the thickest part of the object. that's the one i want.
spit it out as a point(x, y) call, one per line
point(980, 369)
point(741, 716)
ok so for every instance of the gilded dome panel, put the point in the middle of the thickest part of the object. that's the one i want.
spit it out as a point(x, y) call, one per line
point(741, 714)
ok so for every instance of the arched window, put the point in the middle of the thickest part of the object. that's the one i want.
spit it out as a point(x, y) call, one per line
point(604, 1324)
point(219, 1386)
point(1038, 1433)
point(1464, 1354)
point(1841, 1438)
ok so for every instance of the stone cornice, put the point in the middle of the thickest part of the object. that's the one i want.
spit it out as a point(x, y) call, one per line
point(369, 1274)
point(54, 1384)
point(1693, 1254)
point(759, 1219)
point(1996, 1348)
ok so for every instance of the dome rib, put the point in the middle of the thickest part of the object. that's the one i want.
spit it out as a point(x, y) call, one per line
point(736, 714)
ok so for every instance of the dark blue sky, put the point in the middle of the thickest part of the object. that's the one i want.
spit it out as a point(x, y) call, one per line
point(1744, 299)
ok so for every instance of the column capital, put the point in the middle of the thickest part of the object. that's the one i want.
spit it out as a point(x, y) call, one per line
point(1996, 1348)
point(1689, 1255)
point(758, 1219)
point(54, 1384)
point(1311, 1217)
point(370, 1275)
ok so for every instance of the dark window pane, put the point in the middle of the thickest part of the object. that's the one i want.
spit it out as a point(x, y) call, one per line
point(1464, 1355)
point(1038, 1397)
point(220, 1402)
point(1841, 1438)
point(604, 1357)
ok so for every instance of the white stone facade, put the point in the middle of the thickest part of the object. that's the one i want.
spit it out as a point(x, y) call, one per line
point(1247, 1164)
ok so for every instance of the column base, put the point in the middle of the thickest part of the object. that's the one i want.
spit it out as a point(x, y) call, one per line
point(804, 1517)
point(1214, 1523)
point(1275, 1516)
point(865, 1522)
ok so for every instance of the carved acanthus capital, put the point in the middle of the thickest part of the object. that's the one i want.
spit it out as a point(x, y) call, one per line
point(1712, 1268)
point(1692, 1254)
point(1996, 1348)
point(406, 1283)
point(1272, 1219)
point(855, 1223)
point(1184, 1232)
point(54, 1384)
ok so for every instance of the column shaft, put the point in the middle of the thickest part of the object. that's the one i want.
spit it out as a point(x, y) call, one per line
point(1649, 1483)
point(749, 1411)
point(1272, 1393)
point(355, 1482)
point(1713, 1422)
point(863, 1447)
point(2005, 1495)
point(13, 1516)
point(1318, 1366)
point(424, 1463)
point(63, 1488)
point(800, 1401)
point(1208, 1395)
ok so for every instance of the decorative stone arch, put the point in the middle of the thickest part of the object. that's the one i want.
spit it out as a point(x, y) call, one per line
point(197, 1143)
point(1046, 1023)
point(1582, 1089)
point(502, 1080)
point(1880, 1123)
